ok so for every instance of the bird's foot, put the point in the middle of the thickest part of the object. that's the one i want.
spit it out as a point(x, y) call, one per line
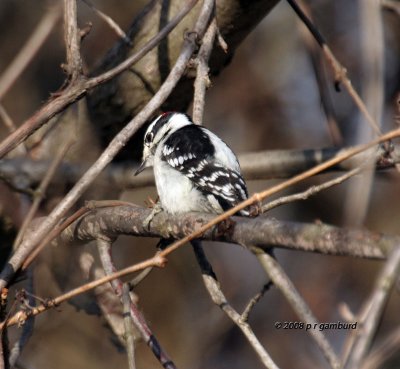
point(157, 208)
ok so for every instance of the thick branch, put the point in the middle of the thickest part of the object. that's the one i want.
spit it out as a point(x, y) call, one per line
point(261, 232)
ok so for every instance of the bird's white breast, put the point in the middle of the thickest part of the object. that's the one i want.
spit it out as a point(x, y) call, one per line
point(177, 193)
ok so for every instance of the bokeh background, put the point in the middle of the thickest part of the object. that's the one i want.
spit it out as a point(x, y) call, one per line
point(267, 98)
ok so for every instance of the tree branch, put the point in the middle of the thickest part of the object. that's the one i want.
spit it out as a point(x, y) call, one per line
point(339, 71)
point(217, 296)
point(28, 51)
point(113, 148)
point(285, 285)
point(128, 325)
point(104, 248)
point(202, 81)
point(73, 66)
point(376, 304)
point(263, 232)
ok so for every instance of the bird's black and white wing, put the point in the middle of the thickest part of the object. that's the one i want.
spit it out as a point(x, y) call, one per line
point(208, 162)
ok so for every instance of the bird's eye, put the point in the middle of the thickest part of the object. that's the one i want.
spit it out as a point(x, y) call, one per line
point(148, 138)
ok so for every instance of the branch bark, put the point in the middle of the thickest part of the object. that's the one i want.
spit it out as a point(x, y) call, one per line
point(262, 232)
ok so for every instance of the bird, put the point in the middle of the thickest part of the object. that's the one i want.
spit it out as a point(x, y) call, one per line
point(194, 169)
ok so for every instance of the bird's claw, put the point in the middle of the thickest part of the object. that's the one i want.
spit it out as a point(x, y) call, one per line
point(157, 208)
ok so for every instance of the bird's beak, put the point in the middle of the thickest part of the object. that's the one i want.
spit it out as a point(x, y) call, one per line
point(141, 168)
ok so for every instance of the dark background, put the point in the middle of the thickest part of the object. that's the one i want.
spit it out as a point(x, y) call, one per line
point(267, 98)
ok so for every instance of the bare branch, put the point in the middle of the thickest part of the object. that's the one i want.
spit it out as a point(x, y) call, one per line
point(339, 71)
point(254, 300)
point(21, 316)
point(72, 41)
point(262, 232)
point(310, 191)
point(8, 122)
point(214, 290)
point(29, 50)
point(321, 79)
point(27, 330)
point(40, 192)
point(4, 349)
point(128, 323)
point(386, 349)
point(111, 23)
point(391, 5)
point(59, 228)
point(104, 248)
point(376, 304)
point(283, 282)
point(371, 66)
point(202, 81)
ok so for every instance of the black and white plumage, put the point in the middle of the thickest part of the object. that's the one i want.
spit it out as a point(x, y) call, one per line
point(194, 169)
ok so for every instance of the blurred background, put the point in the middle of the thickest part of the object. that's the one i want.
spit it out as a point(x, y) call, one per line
point(267, 98)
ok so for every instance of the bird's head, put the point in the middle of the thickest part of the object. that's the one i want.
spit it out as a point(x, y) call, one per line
point(158, 131)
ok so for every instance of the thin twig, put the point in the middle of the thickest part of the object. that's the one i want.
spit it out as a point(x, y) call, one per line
point(371, 68)
point(73, 66)
point(386, 349)
point(27, 330)
point(322, 80)
point(310, 191)
point(90, 205)
point(21, 316)
point(8, 122)
point(214, 290)
point(104, 248)
point(128, 324)
point(339, 71)
point(202, 81)
point(139, 278)
point(41, 190)
point(391, 5)
point(112, 24)
point(253, 302)
point(376, 304)
point(113, 148)
point(29, 50)
point(285, 285)
point(4, 316)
